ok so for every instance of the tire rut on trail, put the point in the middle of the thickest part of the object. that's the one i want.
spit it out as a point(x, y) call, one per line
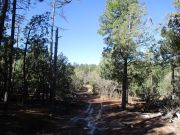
point(103, 116)
point(89, 117)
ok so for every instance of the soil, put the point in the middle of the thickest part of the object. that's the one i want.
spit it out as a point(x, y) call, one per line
point(94, 115)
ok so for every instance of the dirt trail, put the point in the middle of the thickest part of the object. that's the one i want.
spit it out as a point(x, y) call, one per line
point(103, 116)
point(91, 115)
point(95, 115)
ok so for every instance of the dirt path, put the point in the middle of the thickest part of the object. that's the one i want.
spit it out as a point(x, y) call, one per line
point(103, 116)
point(90, 117)
point(94, 116)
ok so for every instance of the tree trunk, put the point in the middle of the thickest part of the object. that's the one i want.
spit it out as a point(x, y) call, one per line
point(51, 50)
point(124, 85)
point(52, 27)
point(2, 18)
point(55, 64)
point(25, 87)
point(25, 93)
point(5, 91)
point(10, 87)
point(14, 64)
point(173, 78)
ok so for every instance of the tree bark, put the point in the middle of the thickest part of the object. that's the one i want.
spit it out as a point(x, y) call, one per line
point(55, 64)
point(2, 18)
point(25, 87)
point(173, 78)
point(10, 87)
point(14, 64)
point(124, 85)
point(52, 28)
point(51, 50)
point(5, 91)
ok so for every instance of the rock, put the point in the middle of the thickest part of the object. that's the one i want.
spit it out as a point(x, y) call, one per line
point(169, 115)
point(170, 121)
point(151, 115)
point(145, 116)
point(178, 115)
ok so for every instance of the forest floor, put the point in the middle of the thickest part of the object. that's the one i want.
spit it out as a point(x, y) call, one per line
point(94, 115)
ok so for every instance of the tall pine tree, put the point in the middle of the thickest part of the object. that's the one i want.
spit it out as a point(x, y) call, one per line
point(120, 27)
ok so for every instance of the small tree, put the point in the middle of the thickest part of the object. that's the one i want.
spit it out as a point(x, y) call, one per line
point(37, 28)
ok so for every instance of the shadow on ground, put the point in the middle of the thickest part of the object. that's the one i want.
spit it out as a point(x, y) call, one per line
point(114, 121)
point(44, 120)
point(57, 121)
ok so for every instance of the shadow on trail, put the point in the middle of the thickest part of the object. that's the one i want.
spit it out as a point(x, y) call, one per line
point(92, 116)
point(114, 121)
point(37, 120)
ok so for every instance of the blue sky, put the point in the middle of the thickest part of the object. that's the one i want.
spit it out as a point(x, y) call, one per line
point(80, 41)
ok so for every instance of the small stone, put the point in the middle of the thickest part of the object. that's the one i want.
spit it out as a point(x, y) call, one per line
point(170, 121)
point(178, 115)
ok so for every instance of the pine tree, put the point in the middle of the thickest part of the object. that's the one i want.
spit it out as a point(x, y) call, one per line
point(120, 26)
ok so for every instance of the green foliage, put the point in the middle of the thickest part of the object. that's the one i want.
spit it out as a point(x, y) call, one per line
point(120, 26)
point(148, 78)
point(34, 63)
point(65, 72)
point(152, 70)
point(177, 4)
point(89, 76)
point(170, 46)
point(85, 72)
